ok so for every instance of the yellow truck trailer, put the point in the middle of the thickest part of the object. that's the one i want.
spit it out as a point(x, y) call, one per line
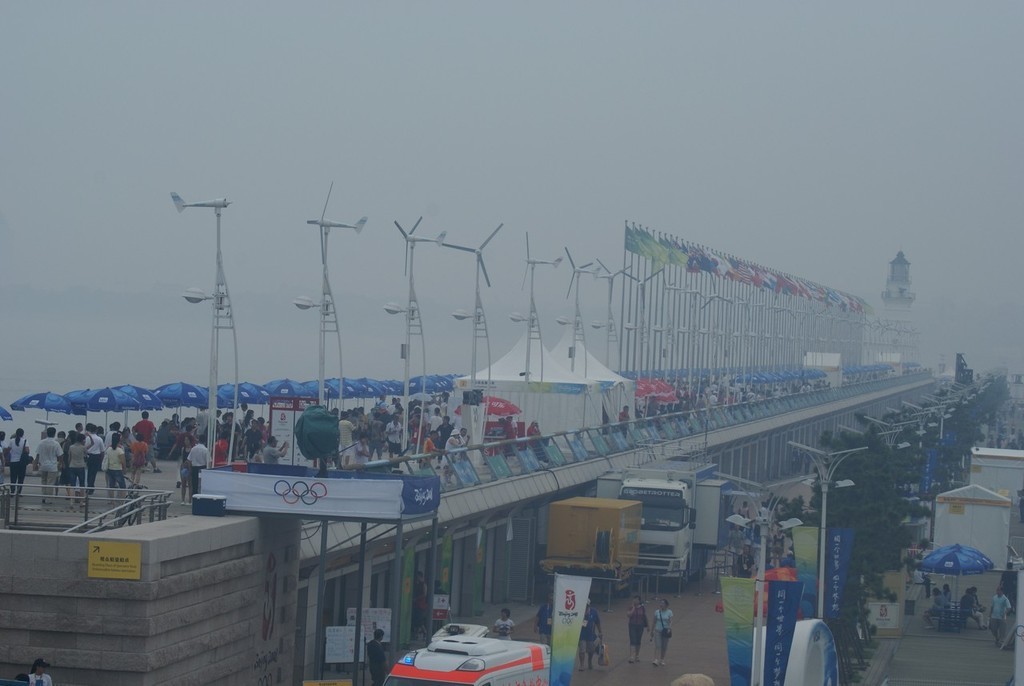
point(596, 537)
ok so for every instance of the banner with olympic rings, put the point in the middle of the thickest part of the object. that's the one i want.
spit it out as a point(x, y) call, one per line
point(308, 496)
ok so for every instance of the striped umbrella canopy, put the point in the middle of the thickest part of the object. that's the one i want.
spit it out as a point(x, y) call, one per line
point(5, 415)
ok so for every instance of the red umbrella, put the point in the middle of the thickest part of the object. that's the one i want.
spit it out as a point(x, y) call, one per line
point(662, 391)
point(496, 407)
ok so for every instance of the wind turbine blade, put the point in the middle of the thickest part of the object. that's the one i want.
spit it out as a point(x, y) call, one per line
point(483, 269)
point(603, 266)
point(440, 238)
point(527, 251)
point(405, 269)
point(404, 234)
point(558, 261)
point(525, 272)
point(327, 201)
point(584, 266)
point(459, 247)
point(630, 276)
point(571, 262)
point(414, 226)
point(360, 224)
point(569, 291)
point(178, 202)
point(493, 233)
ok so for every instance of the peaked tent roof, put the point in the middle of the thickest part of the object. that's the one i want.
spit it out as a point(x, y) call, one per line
point(594, 369)
point(973, 492)
point(510, 368)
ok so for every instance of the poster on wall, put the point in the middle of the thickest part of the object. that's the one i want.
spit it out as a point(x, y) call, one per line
point(340, 645)
point(284, 412)
point(373, 618)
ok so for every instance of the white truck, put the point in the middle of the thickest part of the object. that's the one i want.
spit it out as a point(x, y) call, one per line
point(682, 517)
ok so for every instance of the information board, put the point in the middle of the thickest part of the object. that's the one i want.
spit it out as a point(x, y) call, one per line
point(373, 618)
point(340, 646)
point(115, 560)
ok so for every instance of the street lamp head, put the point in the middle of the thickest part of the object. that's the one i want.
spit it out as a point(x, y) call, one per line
point(598, 325)
point(518, 317)
point(790, 523)
point(393, 308)
point(901, 446)
point(844, 483)
point(563, 320)
point(738, 520)
point(195, 295)
point(217, 203)
point(629, 326)
point(304, 303)
point(461, 315)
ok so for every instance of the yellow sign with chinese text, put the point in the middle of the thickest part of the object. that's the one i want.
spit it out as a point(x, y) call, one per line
point(115, 560)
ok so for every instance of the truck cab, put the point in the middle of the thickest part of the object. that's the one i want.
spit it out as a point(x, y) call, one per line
point(671, 494)
point(473, 661)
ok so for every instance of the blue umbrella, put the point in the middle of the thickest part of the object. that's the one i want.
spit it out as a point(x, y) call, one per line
point(249, 393)
point(5, 415)
point(146, 397)
point(288, 389)
point(956, 560)
point(330, 390)
point(110, 400)
point(181, 394)
point(79, 399)
point(49, 402)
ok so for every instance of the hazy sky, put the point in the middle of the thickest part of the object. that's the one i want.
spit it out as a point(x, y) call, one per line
point(817, 138)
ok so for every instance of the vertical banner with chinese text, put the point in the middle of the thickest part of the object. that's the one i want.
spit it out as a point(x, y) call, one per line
point(738, 606)
point(445, 573)
point(568, 607)
point(838, 547)
point(805, 551)
point(783, 603)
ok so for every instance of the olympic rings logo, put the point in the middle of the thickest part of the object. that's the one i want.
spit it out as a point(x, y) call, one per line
point(309, 494)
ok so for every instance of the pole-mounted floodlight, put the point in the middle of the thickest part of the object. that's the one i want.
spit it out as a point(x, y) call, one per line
point(223, 318)
point(328, 312)
point(413, 321)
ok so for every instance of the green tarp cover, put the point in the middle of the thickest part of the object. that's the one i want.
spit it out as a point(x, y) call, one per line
point(316, 433)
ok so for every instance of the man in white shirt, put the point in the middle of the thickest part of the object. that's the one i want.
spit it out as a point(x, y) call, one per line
point(93, 454)
point(199, 457)
point(393, 434)
point(48, 452)
point(435, 419)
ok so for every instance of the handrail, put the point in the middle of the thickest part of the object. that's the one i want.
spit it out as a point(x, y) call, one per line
point(17, 509)
point(493, 461)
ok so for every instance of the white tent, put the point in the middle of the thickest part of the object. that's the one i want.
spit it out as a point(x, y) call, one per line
point(553, 396)
point(616, 390)
point(975, 516)
point(998, 470)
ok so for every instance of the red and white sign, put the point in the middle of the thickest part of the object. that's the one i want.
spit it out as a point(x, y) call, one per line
point(284, 412)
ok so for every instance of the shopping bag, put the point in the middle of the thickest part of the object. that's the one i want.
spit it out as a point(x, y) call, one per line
point(602, 655)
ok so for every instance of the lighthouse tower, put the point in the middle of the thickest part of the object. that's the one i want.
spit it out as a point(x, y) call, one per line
point(897, 295)
point(896, 337)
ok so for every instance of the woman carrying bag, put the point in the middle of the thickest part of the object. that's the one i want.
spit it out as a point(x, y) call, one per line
point(662, 632)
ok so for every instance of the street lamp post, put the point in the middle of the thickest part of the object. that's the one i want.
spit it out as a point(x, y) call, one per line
point(763, 521)
point(611, 335)
point(223, 318)
point(328, 312)
point(413, 321)
point(826, 464)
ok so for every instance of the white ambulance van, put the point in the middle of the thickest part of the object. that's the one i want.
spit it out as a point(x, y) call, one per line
point(475, 662)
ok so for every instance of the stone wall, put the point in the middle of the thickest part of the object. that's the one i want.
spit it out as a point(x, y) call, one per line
point(215, 605)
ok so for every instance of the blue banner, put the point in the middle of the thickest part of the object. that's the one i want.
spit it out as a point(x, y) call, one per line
point(838, 548)
point(931, 461)
point(783, 602)
point(949, 438)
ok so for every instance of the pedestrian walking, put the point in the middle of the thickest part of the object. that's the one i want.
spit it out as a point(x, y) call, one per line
point(637, 624)
point(661, 634)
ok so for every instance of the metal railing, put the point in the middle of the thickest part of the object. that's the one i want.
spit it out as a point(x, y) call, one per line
point(49, 508)
point(484, 463)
